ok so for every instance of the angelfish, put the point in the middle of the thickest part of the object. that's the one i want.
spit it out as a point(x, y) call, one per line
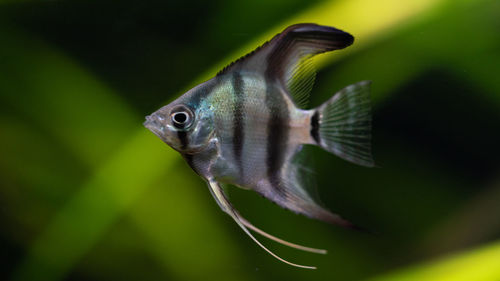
point(246, 126)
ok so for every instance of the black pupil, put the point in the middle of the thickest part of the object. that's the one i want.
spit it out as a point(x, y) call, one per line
point(180, 117)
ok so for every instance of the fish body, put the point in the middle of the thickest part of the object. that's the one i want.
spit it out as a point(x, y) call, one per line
point(246, 126)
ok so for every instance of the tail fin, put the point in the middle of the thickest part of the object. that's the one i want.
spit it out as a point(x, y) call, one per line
point(342, 125)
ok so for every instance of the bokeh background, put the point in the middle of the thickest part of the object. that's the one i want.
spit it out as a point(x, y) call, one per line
point(87, 193)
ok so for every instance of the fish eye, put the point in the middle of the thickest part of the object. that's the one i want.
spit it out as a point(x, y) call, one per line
point(181, 117)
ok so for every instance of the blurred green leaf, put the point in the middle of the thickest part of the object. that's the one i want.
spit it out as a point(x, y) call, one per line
point(87, 117)
point(478, 265)
point(125, 161)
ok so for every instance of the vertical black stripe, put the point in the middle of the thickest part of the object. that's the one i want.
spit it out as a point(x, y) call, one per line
point(315, 127)
point(183, 139)
point(197, 94)
point(190, 159)
point(279, 118)
point(277, 135)
point(239, 120)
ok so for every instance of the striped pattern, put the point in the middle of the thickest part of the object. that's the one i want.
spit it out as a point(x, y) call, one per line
point(315, 127)
point(248, 128)
point(239, 120)
point(253, 126)
point(181, 134)
point(277, 135)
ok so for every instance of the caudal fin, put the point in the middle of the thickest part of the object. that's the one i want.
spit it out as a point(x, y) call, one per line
point(342, 125)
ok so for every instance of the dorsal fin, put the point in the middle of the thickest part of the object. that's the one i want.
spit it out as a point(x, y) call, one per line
point(285, 58)
point(229, 67)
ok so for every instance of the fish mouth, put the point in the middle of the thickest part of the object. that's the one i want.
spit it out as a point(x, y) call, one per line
point(153, 124)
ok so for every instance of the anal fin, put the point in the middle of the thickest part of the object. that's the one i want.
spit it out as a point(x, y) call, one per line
point(293, 191)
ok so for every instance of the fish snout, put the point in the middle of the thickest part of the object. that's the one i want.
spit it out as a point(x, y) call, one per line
point(155, 123)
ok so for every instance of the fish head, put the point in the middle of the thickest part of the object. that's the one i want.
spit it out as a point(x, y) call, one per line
point(184, 125)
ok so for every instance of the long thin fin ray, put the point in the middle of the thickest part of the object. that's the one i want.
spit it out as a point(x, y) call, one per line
point(281, 241)
point(300, 80)
point(226, 206)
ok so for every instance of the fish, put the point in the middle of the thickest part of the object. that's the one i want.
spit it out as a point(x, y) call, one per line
point(247, 126)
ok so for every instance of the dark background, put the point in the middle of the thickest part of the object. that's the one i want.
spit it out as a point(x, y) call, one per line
point(87, 193)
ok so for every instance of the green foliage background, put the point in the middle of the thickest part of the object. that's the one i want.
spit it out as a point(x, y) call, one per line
point(87, 193)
